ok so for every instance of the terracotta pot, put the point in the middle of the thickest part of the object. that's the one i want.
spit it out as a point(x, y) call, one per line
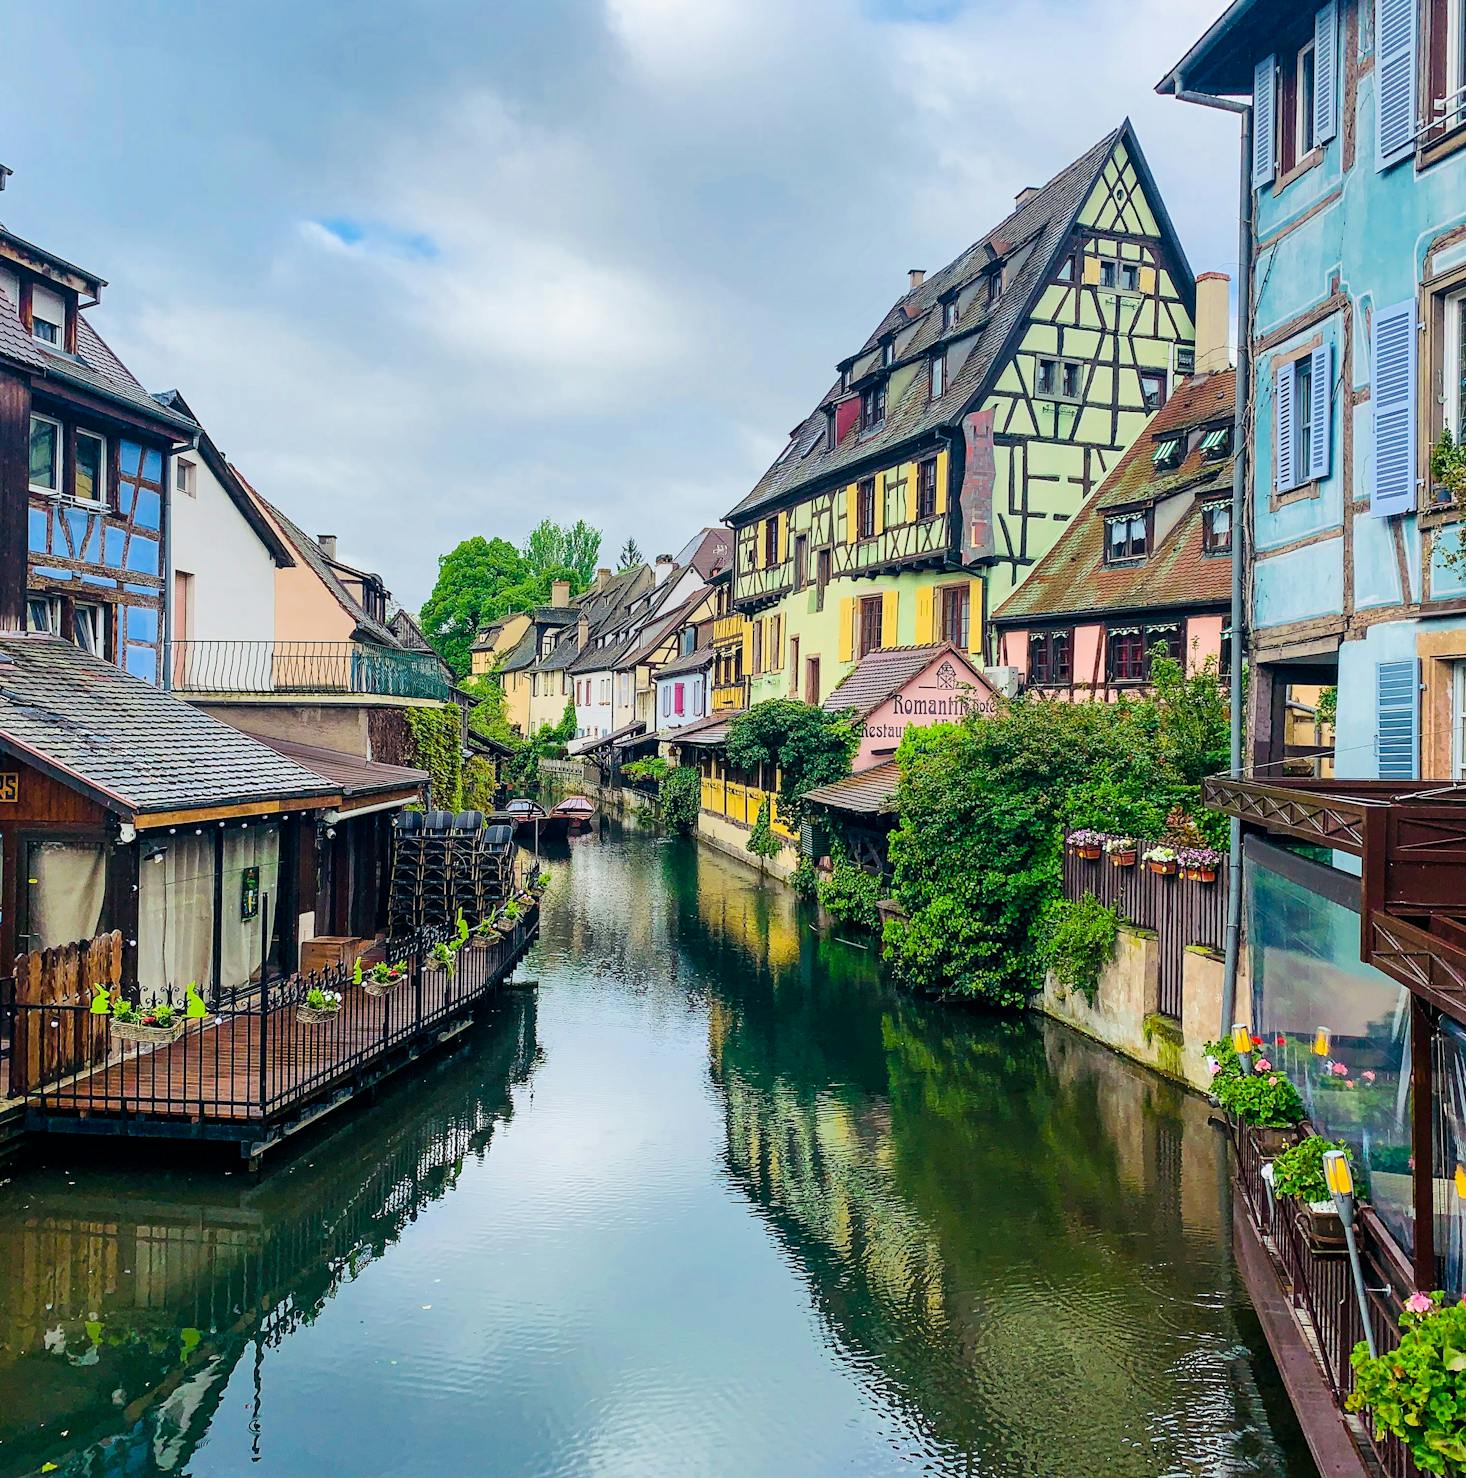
point(1163, 869)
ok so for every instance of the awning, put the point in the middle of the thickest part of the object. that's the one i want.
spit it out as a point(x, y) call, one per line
point(359, 780)
point(865, 794)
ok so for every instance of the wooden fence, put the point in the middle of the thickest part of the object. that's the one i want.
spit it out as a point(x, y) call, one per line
point(1181, 912)
point(64, 977)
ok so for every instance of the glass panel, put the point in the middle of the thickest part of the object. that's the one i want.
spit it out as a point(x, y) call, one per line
point(65, 884)
point(1450, 1155)
point(86, 624)
point(1311, 990)
point(251, 888)
point(90, 481)
point(175, 932)
point(43, 454)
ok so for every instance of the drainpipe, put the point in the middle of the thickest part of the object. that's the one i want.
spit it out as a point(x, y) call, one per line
point(1239, 531)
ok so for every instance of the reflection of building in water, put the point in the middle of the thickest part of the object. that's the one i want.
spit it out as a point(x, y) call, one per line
point(121, 1327)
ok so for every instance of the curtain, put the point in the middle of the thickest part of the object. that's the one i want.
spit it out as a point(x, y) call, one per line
point(67, 881)
point(175, 929)
point(242, 941)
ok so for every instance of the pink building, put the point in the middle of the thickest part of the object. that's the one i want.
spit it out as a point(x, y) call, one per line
point(1145, 566)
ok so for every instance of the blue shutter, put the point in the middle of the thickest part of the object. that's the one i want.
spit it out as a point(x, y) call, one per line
point(1320, 414)
point(1393, 397)
point(1264, 143)
point(1394, 70)
point(1326, 73)
point(1284, 430)
point(1397, 691)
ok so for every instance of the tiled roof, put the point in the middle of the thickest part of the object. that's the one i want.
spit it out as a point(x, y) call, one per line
point(865, 794)
point(706, 733)
point(693, 661)
point(133, 747)
point(1028, 241)
point(349, 773)
point(408, 633)
point(1073, 578)
point(881, 674)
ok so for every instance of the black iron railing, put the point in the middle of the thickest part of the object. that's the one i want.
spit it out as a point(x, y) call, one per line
point(305, 667)
point(253, 1061)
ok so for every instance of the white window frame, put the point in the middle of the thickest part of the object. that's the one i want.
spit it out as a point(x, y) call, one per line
point(102, 611)
point(52, 603)
point(1454, 111)
point(186, 477)
point(1305, 106)
point(937, 376)
point(60, 459)
point(101, 500)
point(1458, 720)
point(1451, 366)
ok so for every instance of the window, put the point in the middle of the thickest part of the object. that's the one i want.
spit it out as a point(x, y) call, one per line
point(1050, 658)
point(187, 474)
point(822, 563)
point(1169, 452)
point(771, 542)
point(1451, 325)
point(1071, 381)
point(1446, 66)
point(48, 316)
point(873, 404)
point(91, 468)
point(1152, 389)
point(1059, 379)
point(1066, 269)
point(888, 353)
point(994, 286)
point(89, 628)
point(895, 497)
point(1129, 277)
point(44, 330)
point(1185, 358)
point(1126, 655)
point(1307, 105)
point(1216, 443)
point(955, 608)
point(1216, 528)
point(1303, 397)
point(45, 455)
point(1302, 412)
point(43, 613)
point(871, 608)
point(937, 373)
point(1047, 379)
point(801, 562)
point(1127, 536)
point(666, 699)
point(756, 652)
point(950, 313)
point(865, 508)
point(830, 431)
point(1109, 271)
point(844, 376)
point(926, 488)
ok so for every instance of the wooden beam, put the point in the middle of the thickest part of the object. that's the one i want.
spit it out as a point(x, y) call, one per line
point(193, 816)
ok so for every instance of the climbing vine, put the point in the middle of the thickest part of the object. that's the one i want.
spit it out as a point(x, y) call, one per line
point(679, 795)
point(437, 742)
point(808, 746)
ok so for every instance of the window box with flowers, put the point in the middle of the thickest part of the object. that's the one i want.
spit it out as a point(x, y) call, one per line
point(1122, 851)
point(1262, 1104)
point(1199, 864)
point(1087, 845)
point(1161, 861)
point(1298, 1173)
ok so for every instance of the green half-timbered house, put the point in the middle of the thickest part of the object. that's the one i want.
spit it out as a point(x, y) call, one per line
point(953, 447)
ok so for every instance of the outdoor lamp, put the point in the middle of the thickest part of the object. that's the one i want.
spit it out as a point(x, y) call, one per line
point(1340, 1180)
point(1321, 1042)
point(1460, 1180)
point(1242, 1045)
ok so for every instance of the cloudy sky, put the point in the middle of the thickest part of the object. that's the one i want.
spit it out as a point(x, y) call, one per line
point(428, 269)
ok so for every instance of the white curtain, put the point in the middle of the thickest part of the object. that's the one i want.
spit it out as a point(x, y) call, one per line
point(175, 931)
point(242, 941)
point(67, 881)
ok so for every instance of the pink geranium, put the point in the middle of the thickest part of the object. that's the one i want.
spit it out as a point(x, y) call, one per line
point(1368, 1075)
point(1420, 1303)
point(1340, 1070)
point(1263, 1065)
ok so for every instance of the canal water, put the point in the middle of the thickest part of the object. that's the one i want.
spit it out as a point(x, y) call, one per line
point(708, 1200)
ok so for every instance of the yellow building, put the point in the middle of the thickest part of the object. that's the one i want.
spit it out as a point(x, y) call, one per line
point(496, 641)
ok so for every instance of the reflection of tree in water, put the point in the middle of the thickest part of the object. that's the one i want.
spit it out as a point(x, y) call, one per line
point(122, 1324)
point(1007, 1231)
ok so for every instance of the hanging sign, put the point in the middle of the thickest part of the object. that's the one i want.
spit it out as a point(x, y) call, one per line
point(249, 893)
point(9, 788)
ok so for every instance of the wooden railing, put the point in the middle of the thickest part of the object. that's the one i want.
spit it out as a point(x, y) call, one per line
point(53, 1030)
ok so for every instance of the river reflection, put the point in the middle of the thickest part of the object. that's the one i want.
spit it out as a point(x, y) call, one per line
point(712, 1201)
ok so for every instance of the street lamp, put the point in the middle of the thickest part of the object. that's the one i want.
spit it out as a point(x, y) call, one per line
point(1321, 1042)
point(1340, 1181)
point(1242, 1045)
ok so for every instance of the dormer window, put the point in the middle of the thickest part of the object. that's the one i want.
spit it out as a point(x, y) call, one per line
point(995, 285)
point(873, 405)
point(1216, 444)
point(888, 353)
point(937, 372)
point(48, 316)
point(1216, 528)
point(950, 314)
point(1127, 537)
point(1168, 453)
point(845, 377)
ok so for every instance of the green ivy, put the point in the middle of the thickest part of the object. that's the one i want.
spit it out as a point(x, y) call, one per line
point(761, 840)
point(480, 784)
point(849, 895)
point(679, 798)
point(1078, 941)
point(437, 743)
point(809, 747)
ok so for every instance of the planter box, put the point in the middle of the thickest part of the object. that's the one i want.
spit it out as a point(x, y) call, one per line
point(1088, 854)
point(1201, 874)
point(328, 951)
point(136, 1031)
point(1322, 1228)
point(1269, 1143)
point(1162, 869)
point(1123, 859)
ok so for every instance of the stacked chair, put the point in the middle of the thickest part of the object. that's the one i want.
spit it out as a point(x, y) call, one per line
point(444, 862)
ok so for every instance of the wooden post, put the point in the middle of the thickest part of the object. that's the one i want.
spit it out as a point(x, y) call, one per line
point(263, 1037)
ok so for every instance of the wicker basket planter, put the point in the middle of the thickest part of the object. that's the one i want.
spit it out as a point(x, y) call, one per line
point(382, 987)
point(137, 1031)
point(315, 1015)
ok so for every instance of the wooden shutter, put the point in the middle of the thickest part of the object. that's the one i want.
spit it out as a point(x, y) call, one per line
point(847, 628)
point(913, 479)
point(1326, 72)
point(852, 521)
point(1394, 69)
point(890, 610)
point(974, 616)
point(1284, 427)
point(1320, 414)
point(748, 648)
point(878, 513)
point(1264, 132)
point(926, 615)
point(783, 536)
point(776, 643)
point(1393, 396)
point(941, 482)
point(1397, 689)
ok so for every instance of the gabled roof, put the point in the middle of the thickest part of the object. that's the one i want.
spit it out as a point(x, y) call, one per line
point(228, 479)
point(881, 674)
point(131, 747)
point(1028, 242)
point(866, 794)
point(1222, 60)
point(315, 557)
point(409, 634)
point(1073, 578)
point(708, 551)
point(693, 661)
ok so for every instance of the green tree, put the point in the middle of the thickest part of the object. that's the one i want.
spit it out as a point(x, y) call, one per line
point(631, 555)
point(809, 746)
point(468, 595)
point(553, 548)
point(761, 840)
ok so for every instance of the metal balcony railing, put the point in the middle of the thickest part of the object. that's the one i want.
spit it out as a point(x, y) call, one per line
point(307, 667)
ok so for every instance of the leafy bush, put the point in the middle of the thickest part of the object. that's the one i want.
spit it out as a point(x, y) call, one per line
point(1264, 1098)
point(1298, 1171)
point(805, 880)
point(1417, 1391)
point(679, 798)
point(761, 840)
point(1078, 941)
point(849, 895)
point(648, 769)
point(809, 746)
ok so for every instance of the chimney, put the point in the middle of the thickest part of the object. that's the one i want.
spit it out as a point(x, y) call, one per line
point(1027, 193)
point(560, 593)
point(1213, 314)
point(582, 631)
point(915, 276)
point(662, 568)
point(603, 578)
point(328, 544)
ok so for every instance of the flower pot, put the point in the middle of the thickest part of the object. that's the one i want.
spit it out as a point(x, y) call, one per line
point(1088, 854)
point(1270, 1143)
point(382, 987)
point(1322, 1229)
point(1206, 874)
point(1163, 869)
point(315, 1015)
point(1122, 859)
point(137, 1031)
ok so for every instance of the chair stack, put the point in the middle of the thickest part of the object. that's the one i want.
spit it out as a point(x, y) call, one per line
point(442, 864)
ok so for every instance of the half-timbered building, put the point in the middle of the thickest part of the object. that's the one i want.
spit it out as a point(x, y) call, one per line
point(989, 402)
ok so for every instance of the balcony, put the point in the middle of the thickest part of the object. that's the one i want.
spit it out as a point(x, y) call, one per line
point(295, 669)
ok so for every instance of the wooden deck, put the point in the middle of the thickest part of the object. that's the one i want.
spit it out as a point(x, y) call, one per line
point(254, 1072)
